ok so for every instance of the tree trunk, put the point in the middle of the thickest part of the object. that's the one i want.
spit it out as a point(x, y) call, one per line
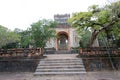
point(93, 38)
point(96, 32)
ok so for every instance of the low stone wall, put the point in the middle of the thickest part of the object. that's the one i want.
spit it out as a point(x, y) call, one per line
point(101, 63)
point(19, 60)
point(19, 64)
point(100, 58)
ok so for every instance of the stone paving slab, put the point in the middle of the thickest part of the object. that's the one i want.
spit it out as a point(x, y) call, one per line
point(16, 75)
point(98, 75)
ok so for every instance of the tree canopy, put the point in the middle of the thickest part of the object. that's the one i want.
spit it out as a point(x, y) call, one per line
point(7, 36)
point(41, 31)
point(98, 19)
point(37, 35)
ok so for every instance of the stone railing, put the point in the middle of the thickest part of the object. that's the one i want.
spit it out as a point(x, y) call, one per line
point(99, 51)
point(27, 52)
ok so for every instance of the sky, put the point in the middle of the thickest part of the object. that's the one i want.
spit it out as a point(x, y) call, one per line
point(22, 13)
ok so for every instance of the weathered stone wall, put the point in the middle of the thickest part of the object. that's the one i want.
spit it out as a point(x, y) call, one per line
point(101, 63)
point(15, 60)
point(19, 64)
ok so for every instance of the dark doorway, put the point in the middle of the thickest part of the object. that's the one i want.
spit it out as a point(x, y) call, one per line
point(62, 41)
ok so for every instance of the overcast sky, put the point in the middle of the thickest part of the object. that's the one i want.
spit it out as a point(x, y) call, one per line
point(22, 13)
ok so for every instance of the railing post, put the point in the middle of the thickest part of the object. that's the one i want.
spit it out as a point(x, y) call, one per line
point(40, 51)
point(81, 51)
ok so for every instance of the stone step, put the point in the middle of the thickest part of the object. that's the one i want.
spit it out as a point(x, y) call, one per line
point(50, 61)
point(61, 59)
point(58, 73)
point(61, 70)
point(60, 66)
point(43, 62)
point(63, 52)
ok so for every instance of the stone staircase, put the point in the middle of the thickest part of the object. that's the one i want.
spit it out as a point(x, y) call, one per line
point(63, 52)
point(60, 67)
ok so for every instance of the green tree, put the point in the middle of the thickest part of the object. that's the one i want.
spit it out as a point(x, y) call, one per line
point(25, 38)
point(97, 20)
point(41, 31)
point(7, 36)
point(84, 38)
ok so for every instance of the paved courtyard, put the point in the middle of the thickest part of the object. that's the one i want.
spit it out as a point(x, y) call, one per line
point(101, 75)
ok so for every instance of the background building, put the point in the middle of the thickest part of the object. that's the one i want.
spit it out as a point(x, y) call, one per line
point(66, 35)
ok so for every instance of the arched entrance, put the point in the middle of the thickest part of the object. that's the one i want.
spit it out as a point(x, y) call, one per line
point(62, 41)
